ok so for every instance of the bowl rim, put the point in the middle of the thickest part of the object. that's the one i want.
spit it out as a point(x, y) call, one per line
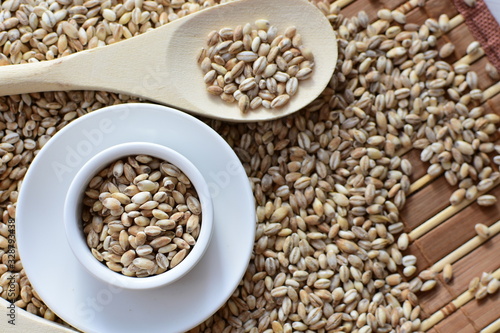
point(74, 231)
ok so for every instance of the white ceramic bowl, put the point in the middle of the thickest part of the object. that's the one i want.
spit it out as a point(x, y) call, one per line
point(73, 209)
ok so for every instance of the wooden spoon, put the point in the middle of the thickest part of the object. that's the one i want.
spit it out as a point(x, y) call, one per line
point(16, 320)
point(161, 65)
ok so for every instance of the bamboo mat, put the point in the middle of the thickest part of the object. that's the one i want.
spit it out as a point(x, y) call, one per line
point(440, 233)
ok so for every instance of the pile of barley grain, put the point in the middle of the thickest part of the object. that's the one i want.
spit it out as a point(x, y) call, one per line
point(141, 216)
point(328, 181)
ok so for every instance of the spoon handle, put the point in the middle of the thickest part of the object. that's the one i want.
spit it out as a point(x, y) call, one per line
point(68, 73)
point(34, 77)
point(111, 68)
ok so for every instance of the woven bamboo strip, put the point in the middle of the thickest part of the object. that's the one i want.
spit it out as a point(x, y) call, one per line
point(492, 328)
point(491, 91)
point(470, 58)
point(420, 183)
point(456, 21)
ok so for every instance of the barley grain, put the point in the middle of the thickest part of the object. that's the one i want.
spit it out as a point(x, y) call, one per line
point(486, 200)
point(493, 286)
point(447, 273)
point(470, 3)
point(492, 71)
point(482, 230)
point(446, 50)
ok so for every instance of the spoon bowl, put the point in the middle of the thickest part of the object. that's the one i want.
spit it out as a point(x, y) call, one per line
point(161, 65)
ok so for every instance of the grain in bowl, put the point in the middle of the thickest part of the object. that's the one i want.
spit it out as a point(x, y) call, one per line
point(135, 210)
point(141, 216)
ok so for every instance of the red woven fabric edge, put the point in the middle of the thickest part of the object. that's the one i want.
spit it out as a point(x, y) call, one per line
point(483, 27)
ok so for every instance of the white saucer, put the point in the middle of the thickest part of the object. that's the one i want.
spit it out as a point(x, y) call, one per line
point(70, 290)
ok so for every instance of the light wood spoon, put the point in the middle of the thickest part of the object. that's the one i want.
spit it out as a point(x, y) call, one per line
point(161, 65)
point(15, 320)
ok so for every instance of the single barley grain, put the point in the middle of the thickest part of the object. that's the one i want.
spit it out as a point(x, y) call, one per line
point(486, 200)
point(446, 50)
point(492, 71)
point(447, 273)
point(470, 3)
